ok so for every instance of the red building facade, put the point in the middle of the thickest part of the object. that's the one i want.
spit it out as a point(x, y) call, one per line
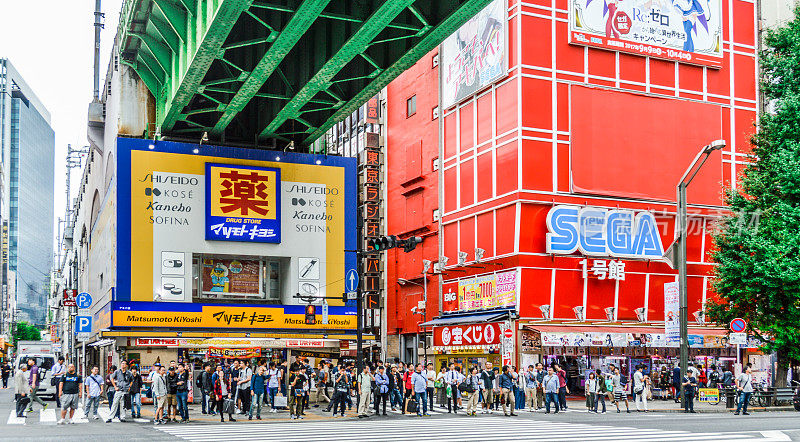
point(568, 124)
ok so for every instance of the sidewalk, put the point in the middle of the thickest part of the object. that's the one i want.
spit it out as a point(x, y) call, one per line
point(670, 406)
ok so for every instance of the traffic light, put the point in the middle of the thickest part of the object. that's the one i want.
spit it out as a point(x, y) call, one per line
point(311, 311)
point(411, 243)
point(389, 242)
point(384, 243)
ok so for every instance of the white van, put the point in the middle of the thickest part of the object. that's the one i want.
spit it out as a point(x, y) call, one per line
point(45, 363)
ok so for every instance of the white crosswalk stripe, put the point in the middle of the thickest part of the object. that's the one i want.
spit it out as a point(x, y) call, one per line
point(451, 429)
point(14, 420)
point(47, 416)
point(398, 411)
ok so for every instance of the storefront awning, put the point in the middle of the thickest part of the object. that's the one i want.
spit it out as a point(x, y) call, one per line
point(466, 319)
point(567, 328)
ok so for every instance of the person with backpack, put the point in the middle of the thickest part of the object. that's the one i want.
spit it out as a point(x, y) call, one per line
point(222, 391)
point(420, 386)
point(365, 380)
point(619, 389)
point(473, 387)
point(206, 386)
point(257, 392)
point(713, 377)
point(93, 386)
point(322, 384)
point(744, 384)
point(395, 385)
point(274, 377)
point(341, 389)
point(601, 392)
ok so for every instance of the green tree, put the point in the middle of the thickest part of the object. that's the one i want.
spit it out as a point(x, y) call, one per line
point(758, 246)
point(26, 332)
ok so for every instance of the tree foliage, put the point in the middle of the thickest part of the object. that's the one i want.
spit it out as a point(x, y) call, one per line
point(26, 332)
point(758, 246)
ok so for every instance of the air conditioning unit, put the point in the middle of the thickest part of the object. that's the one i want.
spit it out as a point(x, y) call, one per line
point(578, 312)
point(640, 314)
point(610, 313)
point(545, 309)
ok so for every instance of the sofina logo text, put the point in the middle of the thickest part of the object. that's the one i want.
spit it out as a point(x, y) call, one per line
point(602, 232)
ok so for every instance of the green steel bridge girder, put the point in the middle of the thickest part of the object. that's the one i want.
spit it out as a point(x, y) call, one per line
point(302, 19)
point(251, 70)
point(353, 47)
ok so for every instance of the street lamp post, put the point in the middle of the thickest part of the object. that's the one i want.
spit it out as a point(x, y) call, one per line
point(687, 178)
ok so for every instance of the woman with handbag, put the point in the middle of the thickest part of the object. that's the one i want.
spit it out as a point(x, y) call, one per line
point(591, 392)
point(222, 394)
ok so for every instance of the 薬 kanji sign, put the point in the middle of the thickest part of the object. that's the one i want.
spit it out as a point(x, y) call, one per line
point(243, 203)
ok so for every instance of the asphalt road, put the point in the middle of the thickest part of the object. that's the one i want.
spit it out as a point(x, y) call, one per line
point(573, 425)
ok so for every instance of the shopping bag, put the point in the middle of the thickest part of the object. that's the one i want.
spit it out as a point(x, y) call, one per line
point(280, 402)
point(411, 406)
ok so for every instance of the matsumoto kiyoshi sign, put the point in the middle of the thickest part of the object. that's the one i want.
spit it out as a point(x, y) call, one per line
point(680, 30)
point(595, 231)
point(219, 316)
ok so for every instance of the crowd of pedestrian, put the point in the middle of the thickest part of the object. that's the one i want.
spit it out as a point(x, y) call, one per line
point(242, 388)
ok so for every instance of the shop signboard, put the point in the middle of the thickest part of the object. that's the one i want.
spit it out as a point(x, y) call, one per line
point(240, 219)
point(295, 343)
point(688, 31)
point(158, 342)
point(475, 55)
point(595, 231)
point(696, 341)
point(233, 353)
point(714, 341)
point(709, 395)
point(672, 321)
point(507, 328)
point(467, 335)
point(530, 341)
point(496, 290)
point(225, 316)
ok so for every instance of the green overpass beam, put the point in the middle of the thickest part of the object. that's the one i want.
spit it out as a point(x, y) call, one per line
point(295, 28)
point(355, 45)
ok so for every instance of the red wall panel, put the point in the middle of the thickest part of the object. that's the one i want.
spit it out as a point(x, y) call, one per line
point(602, 63)
point(506, 98)
point(540, 92)
point(505, 229)
point(536, 46)
point(467, 129)
point(467, 241)
point(631, 296)
point(450, 135)
point(568, 57)
point(648, 159)
point(485, 118)
point(535, 291)
point(690, 77)
point(599, 294)
point(532, 236)
point(537, 165)
point(485, 176)
point(743, 28)
point(569, 293)
point(632, 68)
point(450, 189)
point(507, 168)
point(485, 239)
point(744, 86)
point(467, 191)
point(662, 73)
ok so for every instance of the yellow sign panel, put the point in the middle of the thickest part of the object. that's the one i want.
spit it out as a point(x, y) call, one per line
point(237, 316)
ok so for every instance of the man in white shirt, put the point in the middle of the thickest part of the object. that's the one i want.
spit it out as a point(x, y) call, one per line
point(59, 369)
point(744, 384)
point(430, 376)
point(454, 378)
point(639, 386)
point(245, 374)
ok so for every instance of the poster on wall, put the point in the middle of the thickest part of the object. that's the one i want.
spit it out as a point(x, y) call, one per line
point(475, 55)
point(672, 320)
point(687, 31)
point(231, 277)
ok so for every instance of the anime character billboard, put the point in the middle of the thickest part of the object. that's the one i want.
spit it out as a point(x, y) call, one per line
point(681, 30)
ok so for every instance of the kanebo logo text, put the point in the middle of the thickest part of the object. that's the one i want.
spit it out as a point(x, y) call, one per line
point(602, 232)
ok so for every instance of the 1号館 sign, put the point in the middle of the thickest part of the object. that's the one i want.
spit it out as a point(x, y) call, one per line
point(467, 335)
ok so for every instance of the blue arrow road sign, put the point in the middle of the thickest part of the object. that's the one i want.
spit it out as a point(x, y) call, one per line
point(84, 300)
point(351, 280)
point(83, 324)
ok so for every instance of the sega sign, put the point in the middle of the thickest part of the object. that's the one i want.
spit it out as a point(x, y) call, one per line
point(595, 231)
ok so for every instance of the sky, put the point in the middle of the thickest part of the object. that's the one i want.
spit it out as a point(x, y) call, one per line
point(51, 44)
